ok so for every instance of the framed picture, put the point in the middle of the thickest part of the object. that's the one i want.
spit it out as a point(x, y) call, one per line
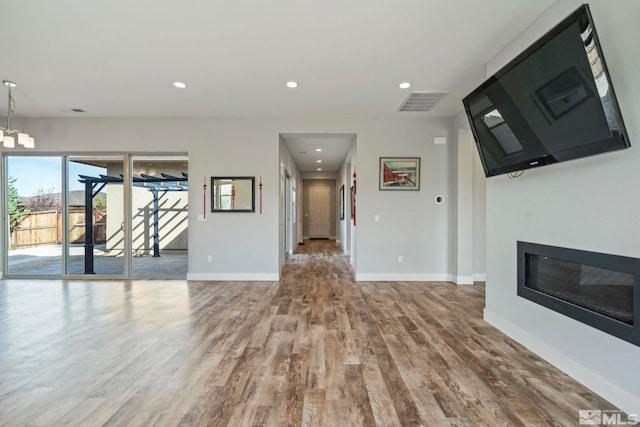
point(399, 173)
point(342, 202)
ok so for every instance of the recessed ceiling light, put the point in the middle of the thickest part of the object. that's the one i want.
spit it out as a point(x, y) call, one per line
point(180, 85)
point(404, 85)
point(319, 169)
point(318, 149)
point(318, 161)
point(292, 84)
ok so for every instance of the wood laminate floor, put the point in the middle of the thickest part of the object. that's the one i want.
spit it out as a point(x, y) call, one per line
point(315, 349)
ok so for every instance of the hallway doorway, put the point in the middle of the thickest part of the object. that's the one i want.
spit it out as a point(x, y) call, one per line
point(319, 217)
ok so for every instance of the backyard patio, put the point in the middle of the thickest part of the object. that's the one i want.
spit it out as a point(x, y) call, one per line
point(47, 260)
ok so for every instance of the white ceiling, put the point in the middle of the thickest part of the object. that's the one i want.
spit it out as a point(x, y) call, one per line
point(334, 149)
point(118, 58)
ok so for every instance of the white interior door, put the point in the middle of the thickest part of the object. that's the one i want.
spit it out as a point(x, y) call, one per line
point(319, 205)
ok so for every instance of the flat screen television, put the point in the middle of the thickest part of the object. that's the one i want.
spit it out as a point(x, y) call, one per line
point(553, 102)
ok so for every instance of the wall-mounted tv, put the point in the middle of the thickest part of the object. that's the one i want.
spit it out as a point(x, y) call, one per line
point(553, 102)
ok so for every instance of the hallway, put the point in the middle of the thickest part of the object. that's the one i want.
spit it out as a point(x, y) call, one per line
point(314, 349)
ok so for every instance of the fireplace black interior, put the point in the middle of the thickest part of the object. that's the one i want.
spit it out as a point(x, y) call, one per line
point(600, 290)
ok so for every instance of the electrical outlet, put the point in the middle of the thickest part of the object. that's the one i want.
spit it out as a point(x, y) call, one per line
point(400, 259)
point(209, 258)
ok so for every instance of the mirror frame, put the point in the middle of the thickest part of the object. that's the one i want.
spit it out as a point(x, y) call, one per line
point(233, 178)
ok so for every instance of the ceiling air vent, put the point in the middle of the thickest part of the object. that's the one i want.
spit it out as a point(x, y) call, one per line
point(422, 101)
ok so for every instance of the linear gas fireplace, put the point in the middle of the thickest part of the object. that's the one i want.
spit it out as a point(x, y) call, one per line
point(600, 290)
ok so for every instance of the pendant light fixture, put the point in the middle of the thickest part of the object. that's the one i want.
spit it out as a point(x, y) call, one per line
point(8, 136)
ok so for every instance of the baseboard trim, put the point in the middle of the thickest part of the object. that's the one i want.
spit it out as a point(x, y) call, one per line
point(463, 280)
point(235, 277)
point(479, 277)
point(623, 399)
point(403, 277)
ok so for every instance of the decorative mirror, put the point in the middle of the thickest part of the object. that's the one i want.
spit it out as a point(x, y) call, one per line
point(233, 194)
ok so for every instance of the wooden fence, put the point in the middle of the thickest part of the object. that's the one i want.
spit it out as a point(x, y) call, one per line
point(45, 228)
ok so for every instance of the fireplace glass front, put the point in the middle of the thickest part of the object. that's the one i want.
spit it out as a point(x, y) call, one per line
point(601, 290)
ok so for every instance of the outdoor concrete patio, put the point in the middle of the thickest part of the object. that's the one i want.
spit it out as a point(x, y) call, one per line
point(47, 260)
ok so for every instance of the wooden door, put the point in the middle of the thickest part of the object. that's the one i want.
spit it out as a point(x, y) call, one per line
point(319, 218)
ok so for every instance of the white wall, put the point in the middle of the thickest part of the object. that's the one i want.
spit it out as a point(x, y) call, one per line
point(478, 190)
point(468, 204)
point(246, 246)
point(345, 178)
point(410, 223)
point(479, 220)
point(463, 274)
point(289, 167)
point(591, 204)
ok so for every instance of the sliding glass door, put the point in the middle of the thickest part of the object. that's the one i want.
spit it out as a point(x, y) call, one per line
point(34, 216)
point(98, 215)
point(95, 215)
point(159, 215)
